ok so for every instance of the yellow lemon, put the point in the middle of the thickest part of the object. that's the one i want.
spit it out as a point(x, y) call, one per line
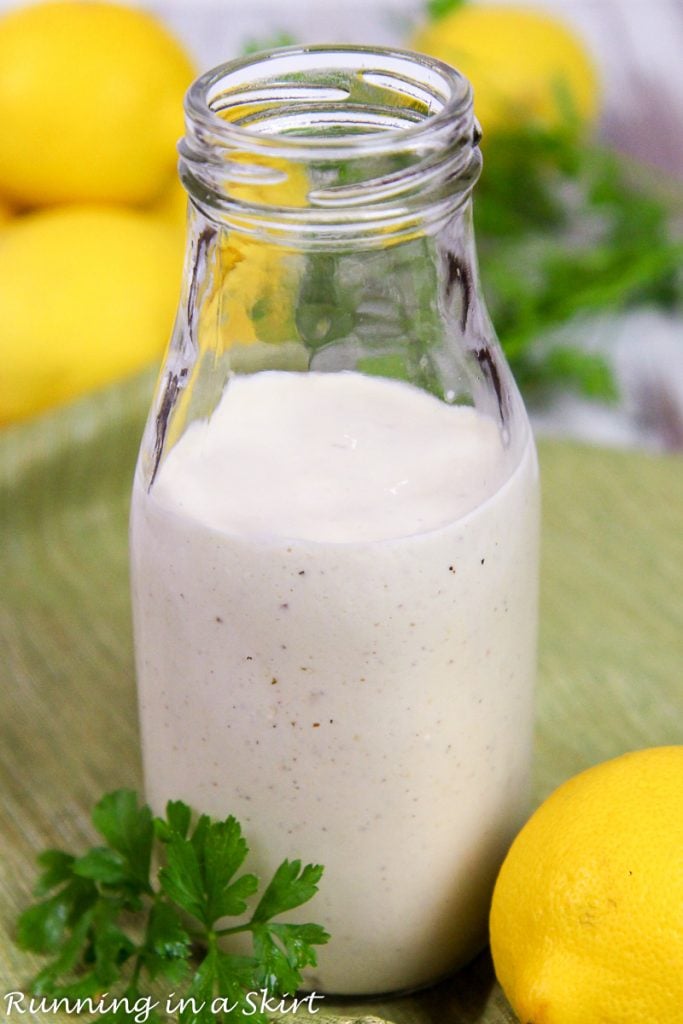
point(90, 103)
point(522, 64)
point(171, 205)
point(255, 282)
point(87, 295)
point(253, 299)
point(5, 213)
point(587, 914)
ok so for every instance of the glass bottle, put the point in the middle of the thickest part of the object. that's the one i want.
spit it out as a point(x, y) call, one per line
point(335, 517)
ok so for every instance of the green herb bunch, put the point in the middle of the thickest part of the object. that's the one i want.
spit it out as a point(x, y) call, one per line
point(566, 228)
point(106, 924)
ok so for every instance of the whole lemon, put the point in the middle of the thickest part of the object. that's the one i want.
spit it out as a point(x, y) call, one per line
point(587, 914)
point(523, 64)
point(90, 103)
point(87, 296)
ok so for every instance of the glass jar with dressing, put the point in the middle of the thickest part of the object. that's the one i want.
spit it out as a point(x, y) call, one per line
point(335, 513)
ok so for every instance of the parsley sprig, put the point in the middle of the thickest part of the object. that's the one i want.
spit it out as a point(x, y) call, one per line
point(565, 229)
point(106, 923)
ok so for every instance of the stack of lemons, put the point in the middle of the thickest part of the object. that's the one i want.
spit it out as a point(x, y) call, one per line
point(91, 212)
point(90, 233)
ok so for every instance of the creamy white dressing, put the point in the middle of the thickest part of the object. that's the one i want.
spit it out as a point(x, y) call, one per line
point(334, 584)
point(331, 457)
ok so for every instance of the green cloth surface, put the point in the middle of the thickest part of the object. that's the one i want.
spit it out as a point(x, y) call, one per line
point(610, 668)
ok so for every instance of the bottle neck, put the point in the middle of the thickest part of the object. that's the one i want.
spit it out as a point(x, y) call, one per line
point(330, 147)
point(331, 230)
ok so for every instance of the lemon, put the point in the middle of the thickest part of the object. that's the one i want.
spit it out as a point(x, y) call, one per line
point(87, 296)
point(587, 914)
point(256, 281)
point(255, 285)
point(171, 205)
point(5, 213)
point(520, 62)
point(90, 103)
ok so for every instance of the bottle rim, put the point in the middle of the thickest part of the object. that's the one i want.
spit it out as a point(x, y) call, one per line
point(384, 136)
point(201, 99)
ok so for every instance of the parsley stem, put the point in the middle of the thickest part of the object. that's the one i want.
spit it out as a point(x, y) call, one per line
point(234, 931)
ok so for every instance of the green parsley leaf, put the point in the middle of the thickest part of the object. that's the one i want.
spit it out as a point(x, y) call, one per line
point(181, 879)
point(290, 887)
point(167, 944)
point(199, 871)
point(46, 982)
point(200, 993)
point(298, 941)
point(283, 950)
point(111, 947)
point(57, 867)
point(128, 829)
point(274, 970)
point(102, 865)
point(224, 851)
point(179, 817)
point(42, 927)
